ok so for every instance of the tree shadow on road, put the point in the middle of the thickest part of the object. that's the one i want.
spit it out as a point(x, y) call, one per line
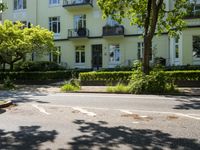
point(101, 136)
point(189, 104)
point(27, 138)
point(2, 111)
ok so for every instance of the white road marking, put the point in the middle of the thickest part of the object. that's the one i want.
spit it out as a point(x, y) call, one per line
point(128, 111)
point(135, 122)
point(42, 110)
point(84, 111)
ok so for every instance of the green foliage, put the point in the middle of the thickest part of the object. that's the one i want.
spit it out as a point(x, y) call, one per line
point(36, 76)
point(184, 75)
point(156, 82)
point(120, 76)
point(119, 88)
point(29, 66)
point(8, 84)
point(16, 41)
point(69, 88)
point(147, 16)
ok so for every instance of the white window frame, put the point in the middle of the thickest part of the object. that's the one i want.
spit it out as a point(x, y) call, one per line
point(114, 49)
point(58, 57)
point(80, 21)
point(57, 22)
point(54, 2)
point(81, 51)
point(19, 6)
point(111, 22)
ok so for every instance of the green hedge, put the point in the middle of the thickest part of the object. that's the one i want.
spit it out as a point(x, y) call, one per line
point(106, 76)
point(184, 75)
point(125, 76)
point(49, 75)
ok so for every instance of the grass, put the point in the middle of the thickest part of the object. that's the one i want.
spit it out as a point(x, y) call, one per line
point(69, 88)
point(2, 102)
point(119, 88)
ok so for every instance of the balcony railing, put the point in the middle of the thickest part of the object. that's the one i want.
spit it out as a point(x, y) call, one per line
point(67, 3)
point(113, 30)
point(78, 33)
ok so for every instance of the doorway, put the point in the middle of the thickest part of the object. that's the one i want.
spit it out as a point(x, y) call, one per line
point(97, 56)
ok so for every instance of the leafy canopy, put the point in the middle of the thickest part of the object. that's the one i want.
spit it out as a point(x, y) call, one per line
point(138, 11)
point(16, 41)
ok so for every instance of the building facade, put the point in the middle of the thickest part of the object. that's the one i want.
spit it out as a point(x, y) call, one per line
point(85, 40)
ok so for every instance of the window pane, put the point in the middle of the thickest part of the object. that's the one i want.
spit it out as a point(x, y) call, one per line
point(15, 4)
point(196, 46)
point(77, 57)
point(24, 4)
point(82, 57)
point(54, 27)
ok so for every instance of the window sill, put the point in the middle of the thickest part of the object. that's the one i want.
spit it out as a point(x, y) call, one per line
point(19, 10)
point(54, 5)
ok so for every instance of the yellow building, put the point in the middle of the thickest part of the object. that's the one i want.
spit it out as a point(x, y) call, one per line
point(85, 40)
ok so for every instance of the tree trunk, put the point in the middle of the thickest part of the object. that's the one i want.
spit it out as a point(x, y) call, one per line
point(146, 54)
point(11, 66)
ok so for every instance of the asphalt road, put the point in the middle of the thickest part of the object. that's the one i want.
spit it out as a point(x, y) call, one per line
point(99, 121)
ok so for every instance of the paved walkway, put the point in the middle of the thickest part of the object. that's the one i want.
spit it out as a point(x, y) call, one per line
point(90, 89)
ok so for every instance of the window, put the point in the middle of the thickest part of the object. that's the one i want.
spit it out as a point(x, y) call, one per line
point(54, 24)
point(141, 51)
point(54, 2)
point(55, 57)
point(176, 47)
point(79, 21)
point(80, 54)
point(114, 53)
point(196, 46)
point(111, 22)
point(19, 4)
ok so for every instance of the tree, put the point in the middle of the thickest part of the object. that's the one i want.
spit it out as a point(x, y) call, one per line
point(151, 15)
point(16, 41)
point(2, 6)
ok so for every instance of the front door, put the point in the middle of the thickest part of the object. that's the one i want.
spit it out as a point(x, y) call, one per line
point(96, 56)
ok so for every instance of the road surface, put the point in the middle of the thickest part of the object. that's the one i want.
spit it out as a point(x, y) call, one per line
point(99, 121)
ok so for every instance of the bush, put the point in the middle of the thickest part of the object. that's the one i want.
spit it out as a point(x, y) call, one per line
point(29, 66)
point(119, 88)
point(69, 87)
point(183, 68)
point(8, 84)
point(156, 82)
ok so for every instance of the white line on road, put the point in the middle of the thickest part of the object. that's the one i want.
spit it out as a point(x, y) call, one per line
point(84, 111)
point(42, 110)
point(128, 111)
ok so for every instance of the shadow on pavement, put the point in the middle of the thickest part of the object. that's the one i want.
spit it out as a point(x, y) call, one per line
point(100, 136)
point(186, 102)
point(27, 138)
point(189, 104)
point(2, 111)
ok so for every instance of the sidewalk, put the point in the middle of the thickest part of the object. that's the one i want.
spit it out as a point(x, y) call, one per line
point(92, 89)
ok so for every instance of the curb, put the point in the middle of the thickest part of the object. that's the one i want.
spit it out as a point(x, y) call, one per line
point(7, 104)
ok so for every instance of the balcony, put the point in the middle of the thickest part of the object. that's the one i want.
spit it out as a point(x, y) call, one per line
point(78, 33)
point(193, 15)
point(113, 30)
point(77, 4)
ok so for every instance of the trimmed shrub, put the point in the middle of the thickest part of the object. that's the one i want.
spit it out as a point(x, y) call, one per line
point(184, 75)
point(106, 76)
point(29, 66)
